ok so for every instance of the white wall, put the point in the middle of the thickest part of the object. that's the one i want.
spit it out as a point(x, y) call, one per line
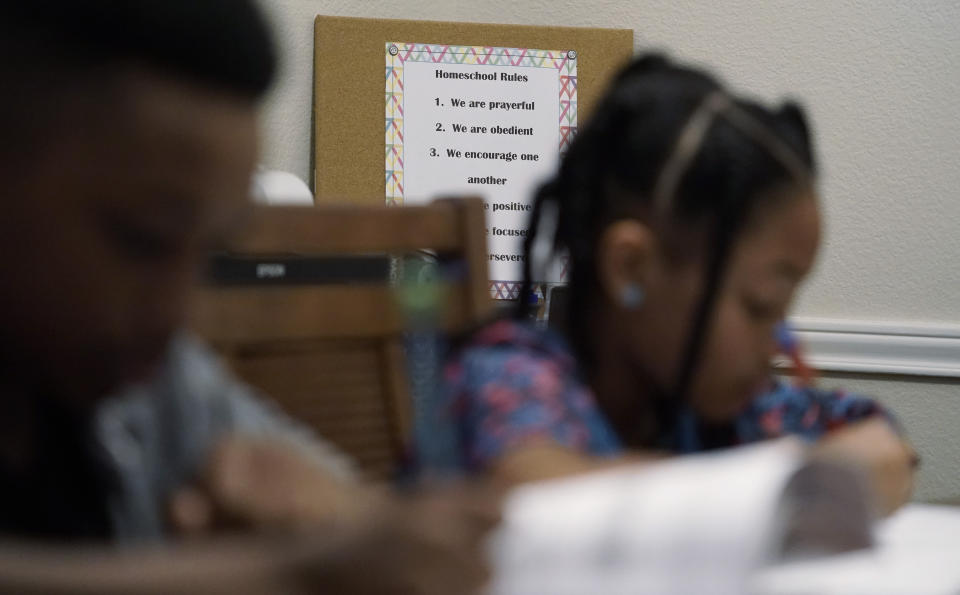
point(882, 82)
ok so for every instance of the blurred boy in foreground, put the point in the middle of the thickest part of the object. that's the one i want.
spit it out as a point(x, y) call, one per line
point(128, 139)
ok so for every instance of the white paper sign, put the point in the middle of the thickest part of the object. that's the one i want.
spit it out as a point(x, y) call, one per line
point(480, 121)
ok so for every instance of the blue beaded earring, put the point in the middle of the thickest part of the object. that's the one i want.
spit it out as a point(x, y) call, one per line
point(632, 296)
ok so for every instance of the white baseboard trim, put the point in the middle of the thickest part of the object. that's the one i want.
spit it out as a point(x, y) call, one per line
point(880, 347)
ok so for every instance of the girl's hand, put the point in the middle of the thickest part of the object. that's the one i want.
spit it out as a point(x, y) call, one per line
point(886, 459)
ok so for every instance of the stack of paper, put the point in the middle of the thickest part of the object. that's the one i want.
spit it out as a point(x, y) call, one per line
point(693, 525)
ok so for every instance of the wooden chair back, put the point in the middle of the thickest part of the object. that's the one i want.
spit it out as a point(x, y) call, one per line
point(310, 315)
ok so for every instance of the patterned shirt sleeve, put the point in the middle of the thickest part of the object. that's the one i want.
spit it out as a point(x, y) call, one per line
point(506, 397)
point(804, 411)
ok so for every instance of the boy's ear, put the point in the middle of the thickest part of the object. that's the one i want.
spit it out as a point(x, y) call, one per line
point(624, 259)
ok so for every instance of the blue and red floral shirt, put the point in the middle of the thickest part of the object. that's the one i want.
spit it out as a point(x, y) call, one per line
point(515, 384)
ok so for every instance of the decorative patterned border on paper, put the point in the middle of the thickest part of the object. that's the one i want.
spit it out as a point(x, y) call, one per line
point(393, 180)
point(397, 54)
point(505, 290)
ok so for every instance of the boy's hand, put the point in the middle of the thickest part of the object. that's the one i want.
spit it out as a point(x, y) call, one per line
point(258, 483)
point(377, 542)
point(873, 446)
point(429, 544)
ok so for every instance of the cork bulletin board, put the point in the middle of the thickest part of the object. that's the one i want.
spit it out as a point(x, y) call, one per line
point(348, 110)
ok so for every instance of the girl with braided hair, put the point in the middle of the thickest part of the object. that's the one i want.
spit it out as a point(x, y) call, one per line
point(690, 217)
